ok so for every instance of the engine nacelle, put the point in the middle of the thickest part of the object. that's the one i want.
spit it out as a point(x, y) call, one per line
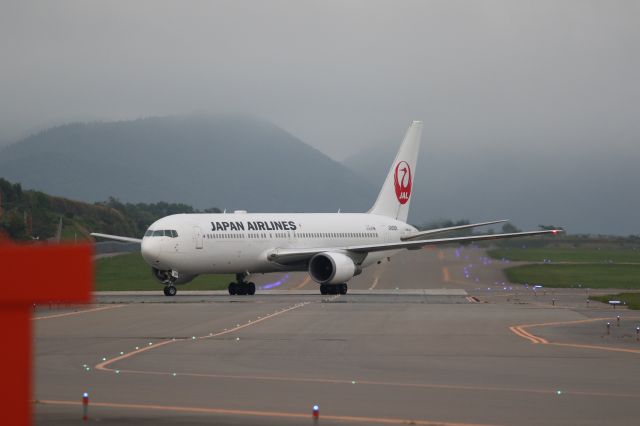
point(332, 268)
point(169, 277)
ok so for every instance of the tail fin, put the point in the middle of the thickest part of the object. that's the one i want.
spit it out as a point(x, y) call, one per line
point(395, 196)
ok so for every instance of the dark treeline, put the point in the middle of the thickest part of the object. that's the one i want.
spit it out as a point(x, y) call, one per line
point(561, 240)
point(28, 214)
point(142, 215)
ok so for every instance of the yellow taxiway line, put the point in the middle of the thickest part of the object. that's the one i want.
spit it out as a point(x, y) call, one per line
point(521, 331)
point(83, 311)
point(303, 283)
point(258, 413)
point(445, 274)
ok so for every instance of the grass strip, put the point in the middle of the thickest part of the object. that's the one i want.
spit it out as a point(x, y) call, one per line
point(632, 300)
point(129, 272)
point(586, 255)
point(577, 275)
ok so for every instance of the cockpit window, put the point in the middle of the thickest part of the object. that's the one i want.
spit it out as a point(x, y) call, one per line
point(172, 233)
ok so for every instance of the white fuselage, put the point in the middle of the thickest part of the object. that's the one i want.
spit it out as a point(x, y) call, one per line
point(332, 247)
point(240, 242)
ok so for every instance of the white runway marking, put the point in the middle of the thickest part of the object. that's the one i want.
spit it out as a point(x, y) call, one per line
point(375, 283)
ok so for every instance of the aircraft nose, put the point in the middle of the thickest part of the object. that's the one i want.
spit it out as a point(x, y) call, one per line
point(150, 249)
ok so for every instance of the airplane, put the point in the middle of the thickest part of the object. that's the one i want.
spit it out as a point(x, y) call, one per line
point(331, 247)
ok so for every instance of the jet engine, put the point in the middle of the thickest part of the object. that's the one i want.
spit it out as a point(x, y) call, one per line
point(169, 277)
point(332, 268)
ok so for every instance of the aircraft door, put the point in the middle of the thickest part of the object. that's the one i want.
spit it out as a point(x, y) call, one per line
point(389, 232)
point(197, 236)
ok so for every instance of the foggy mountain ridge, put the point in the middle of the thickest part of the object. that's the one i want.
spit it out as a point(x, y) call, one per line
point(230, 162)
point(531, 109)
point(592, 190)
point(235, 162)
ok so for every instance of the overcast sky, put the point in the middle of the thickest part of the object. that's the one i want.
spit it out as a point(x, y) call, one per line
point(508, 81)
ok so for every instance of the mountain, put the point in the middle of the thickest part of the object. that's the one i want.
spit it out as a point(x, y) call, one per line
point(228, 162)
point(587, 191)
point(28, 215)
point(33, 214)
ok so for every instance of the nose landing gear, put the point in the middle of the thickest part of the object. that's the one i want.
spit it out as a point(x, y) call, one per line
point(170, 290)
point(242, 287)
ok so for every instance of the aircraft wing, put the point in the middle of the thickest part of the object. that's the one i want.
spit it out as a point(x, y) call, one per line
point(291, 256)
point(117, 238)
point(421, 234)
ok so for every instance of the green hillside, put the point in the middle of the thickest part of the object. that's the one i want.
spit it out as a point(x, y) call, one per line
point(27, 215)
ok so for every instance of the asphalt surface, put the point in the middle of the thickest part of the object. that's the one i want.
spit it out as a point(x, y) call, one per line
point(424, 339)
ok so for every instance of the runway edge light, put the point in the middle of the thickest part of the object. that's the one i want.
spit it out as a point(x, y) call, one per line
point(316, 411)
point(85, 406)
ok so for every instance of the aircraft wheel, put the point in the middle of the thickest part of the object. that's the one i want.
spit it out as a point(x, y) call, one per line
point(170, 290)
point(233, 289)
point(242, 289)
point(323, 289)
point(251, 290)
point(343, 288)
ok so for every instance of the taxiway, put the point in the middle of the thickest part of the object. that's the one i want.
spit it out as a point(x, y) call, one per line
point(416, 341)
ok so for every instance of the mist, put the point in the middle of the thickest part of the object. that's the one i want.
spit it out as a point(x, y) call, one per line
point(547, 84)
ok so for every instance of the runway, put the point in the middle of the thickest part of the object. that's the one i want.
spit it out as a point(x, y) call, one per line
point(418, 348)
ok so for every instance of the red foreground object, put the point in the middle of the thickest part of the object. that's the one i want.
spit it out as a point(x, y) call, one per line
point(36, 274)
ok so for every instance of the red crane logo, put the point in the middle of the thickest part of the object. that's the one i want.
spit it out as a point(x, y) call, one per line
point(402, 181)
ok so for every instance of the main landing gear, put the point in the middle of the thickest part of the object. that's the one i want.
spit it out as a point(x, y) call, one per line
point(334, 288)
point(170, 290)
point(242, 287)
